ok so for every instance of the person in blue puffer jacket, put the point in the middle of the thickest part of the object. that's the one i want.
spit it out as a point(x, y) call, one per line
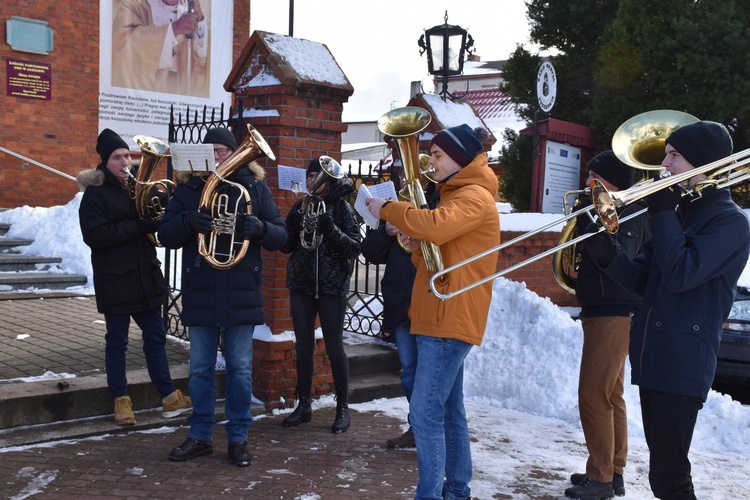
point(687, 275)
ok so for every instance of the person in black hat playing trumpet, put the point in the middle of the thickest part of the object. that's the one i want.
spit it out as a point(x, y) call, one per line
point(318, 275)
point(686, 276)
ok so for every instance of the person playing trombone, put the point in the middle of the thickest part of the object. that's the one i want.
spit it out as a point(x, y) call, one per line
point(686, 276)
point(464, 223)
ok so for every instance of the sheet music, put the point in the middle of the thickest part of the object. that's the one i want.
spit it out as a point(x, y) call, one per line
point(288, 176)
point(193, 157)
point(385, 190)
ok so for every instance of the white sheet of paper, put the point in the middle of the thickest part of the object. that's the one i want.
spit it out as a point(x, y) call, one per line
point(193, 157)
point(289, 175)
point(384, 190)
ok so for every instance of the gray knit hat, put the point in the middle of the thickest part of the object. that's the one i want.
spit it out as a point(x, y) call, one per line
point(220, 135)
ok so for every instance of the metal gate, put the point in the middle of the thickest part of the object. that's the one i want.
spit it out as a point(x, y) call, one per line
point(364, 311)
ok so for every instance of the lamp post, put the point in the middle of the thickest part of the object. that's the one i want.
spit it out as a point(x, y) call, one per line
point(446, 46)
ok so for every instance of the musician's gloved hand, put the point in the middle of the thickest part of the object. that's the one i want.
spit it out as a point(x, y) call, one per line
point(198, 221)
point(252, 227)
point(148, 226)
point(600, 246)
point(663, 200)
point(325, 224)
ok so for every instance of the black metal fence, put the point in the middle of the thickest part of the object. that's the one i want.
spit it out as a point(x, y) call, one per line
point(364, 313)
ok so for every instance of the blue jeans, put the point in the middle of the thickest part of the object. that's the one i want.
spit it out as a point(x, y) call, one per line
point(406, 344)
point(154, 348)
point(238, 353)
point(439, 420)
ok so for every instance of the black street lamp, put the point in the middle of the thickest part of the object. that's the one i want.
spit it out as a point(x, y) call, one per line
point(445, 46)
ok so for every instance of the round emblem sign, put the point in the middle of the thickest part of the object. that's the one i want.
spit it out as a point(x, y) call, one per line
point(546, 86)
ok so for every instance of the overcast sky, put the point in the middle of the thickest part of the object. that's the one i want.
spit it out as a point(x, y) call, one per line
point(375, 43)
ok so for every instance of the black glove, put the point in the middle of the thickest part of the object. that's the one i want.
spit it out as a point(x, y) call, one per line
point(663, 200)
point(148, 226)
point(252, 227)
point(600, 246)
point(198, 222)
point(325, 224)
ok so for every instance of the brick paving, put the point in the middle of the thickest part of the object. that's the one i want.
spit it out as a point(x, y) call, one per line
point(64, 335)
point(306, 462)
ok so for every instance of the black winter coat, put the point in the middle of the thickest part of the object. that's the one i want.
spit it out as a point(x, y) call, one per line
point(600, 295)
point(127, 274)
point(327, 269)
point(399, 274)
point(687, 274)
point(213, 297)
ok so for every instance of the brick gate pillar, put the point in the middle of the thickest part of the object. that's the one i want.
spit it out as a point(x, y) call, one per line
point(293, 93)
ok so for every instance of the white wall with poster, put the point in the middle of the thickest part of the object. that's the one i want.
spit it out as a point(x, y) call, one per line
point(147, 64)
point(562, 173)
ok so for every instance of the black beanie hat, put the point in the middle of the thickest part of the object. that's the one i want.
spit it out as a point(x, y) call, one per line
point(220, 135)
point(608, 166)
point(461, 143)
point(314, 166)
point(702, 142)
point(107, 142)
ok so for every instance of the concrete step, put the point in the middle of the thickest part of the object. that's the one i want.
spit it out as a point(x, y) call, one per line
point(7, 243)
point(24, 404)
point(12, 282)
point(4, 226)
point(371, 358)
point(10, 262)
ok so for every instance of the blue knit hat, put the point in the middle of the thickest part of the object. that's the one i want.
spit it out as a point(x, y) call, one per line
point(702, 142)
point(461, 143)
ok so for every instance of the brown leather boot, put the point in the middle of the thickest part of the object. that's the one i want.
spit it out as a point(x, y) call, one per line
point(124, 411)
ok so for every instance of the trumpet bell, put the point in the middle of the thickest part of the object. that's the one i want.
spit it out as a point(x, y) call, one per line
point(640, 141)
point(151, 145)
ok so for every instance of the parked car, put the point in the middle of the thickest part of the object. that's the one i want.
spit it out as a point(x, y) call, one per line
point(734, 350)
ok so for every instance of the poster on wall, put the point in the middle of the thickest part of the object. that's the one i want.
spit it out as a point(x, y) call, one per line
point(562, 173)
point(159, 53)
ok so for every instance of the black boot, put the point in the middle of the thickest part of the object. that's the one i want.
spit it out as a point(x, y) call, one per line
point(341, 424)
point(303, 412)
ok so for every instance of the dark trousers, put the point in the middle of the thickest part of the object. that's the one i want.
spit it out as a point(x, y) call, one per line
point(330, 309)
point(668, 423)
point(154, 348)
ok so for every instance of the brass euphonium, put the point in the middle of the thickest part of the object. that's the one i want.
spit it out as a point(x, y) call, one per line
point(231, 250)
point(404, 125)
point(311, 208)
point(427, 176)
point(145, 192)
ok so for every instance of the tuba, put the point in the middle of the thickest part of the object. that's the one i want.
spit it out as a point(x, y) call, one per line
point(404, 125)
point(145, 192)
point(232, 250)
point(640, 143)
point(312, 207)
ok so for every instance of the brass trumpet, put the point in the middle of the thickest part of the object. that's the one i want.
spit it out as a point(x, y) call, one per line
point(311, 209)
point(226, 216)
point(143, 190)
